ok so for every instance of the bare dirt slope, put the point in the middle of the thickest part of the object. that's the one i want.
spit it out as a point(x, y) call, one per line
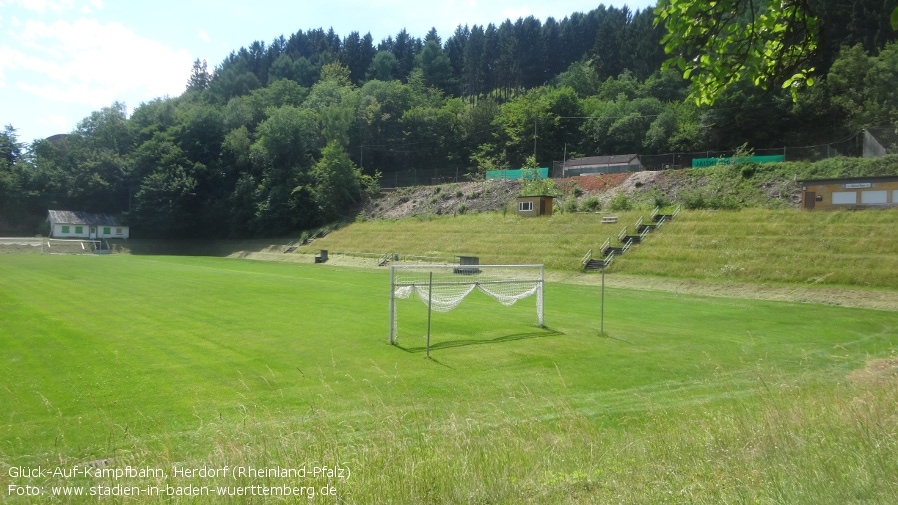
point(485, 196)
point(446, 199)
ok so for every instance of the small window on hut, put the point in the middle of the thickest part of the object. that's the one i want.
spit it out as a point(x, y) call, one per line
point(525, 206)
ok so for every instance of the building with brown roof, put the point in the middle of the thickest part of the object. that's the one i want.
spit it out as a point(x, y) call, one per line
point(71, 224)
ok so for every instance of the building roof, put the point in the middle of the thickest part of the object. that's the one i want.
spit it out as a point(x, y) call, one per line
point(73, 217)
point(592, 161)
point(57, 139)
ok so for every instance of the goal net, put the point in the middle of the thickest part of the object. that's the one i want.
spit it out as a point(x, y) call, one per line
point(443, 287)
point(71, 246)
point(13, 245)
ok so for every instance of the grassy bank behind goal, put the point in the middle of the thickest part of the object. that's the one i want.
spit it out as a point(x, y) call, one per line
point(844, 249)
point(162, 362)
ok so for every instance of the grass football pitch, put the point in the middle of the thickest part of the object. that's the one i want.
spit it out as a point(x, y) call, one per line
point(159, 363)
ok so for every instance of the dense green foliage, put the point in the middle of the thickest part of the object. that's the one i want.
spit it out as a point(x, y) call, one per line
point(242, 151)
point(772, 43)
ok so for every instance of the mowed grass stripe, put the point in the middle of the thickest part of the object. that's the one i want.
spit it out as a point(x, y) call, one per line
point(164, 338)
point(159, 347)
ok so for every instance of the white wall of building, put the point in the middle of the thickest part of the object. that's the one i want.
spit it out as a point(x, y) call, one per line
point(83, 231)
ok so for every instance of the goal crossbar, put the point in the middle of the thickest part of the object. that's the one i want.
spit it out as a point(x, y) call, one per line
point(476, 283)
point(443, 287)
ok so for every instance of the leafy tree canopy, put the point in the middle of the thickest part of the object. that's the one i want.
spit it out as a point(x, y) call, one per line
point(289, 134)
point(721, 42)
point(774, 43)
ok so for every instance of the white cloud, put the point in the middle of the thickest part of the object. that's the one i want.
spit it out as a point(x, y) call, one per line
point(42, 6)
point(56, 121)
point(203, 36)
point(91, 6)
point(88, 62)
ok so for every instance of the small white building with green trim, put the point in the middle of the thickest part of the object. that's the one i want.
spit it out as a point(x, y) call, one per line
point(70, 224)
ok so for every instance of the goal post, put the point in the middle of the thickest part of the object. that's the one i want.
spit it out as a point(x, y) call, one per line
point(443, 287)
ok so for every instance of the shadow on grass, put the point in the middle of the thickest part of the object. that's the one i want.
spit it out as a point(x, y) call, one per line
point(611, 337)
point(542, 333)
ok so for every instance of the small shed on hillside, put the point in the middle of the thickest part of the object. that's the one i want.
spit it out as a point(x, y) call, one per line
point(849, 193)
point(602, 165)
point(71, 224)
point(532, 206)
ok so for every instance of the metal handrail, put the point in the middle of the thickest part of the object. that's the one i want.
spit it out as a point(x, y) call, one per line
point(606, 261)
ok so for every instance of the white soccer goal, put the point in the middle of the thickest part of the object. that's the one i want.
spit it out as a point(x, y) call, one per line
point(71, 246)
point(443, 287)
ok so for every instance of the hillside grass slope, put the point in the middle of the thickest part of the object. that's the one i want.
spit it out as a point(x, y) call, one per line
point(845, 249)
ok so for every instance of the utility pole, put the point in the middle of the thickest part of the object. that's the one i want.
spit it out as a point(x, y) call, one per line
point(535, 118)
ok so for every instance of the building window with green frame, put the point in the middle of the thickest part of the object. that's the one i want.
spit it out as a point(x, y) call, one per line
point(65, 229)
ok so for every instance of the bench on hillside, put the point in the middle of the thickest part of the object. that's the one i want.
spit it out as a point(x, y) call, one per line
point(609, 219)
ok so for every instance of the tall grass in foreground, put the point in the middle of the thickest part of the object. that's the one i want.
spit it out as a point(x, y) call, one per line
point(792, 446)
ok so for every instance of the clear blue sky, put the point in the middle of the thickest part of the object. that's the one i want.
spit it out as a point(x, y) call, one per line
point(62, 59)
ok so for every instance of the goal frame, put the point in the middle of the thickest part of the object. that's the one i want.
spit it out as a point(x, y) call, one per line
point(468, 275)
point(88, 245)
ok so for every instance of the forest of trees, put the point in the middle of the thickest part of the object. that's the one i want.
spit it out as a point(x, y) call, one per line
point(294, 133)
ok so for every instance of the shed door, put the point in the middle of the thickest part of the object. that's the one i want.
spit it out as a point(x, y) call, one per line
point(93, 232)
point(809, 198)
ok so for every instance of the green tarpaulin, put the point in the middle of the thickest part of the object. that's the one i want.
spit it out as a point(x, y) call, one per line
point(713, 162)
point(541, 173)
